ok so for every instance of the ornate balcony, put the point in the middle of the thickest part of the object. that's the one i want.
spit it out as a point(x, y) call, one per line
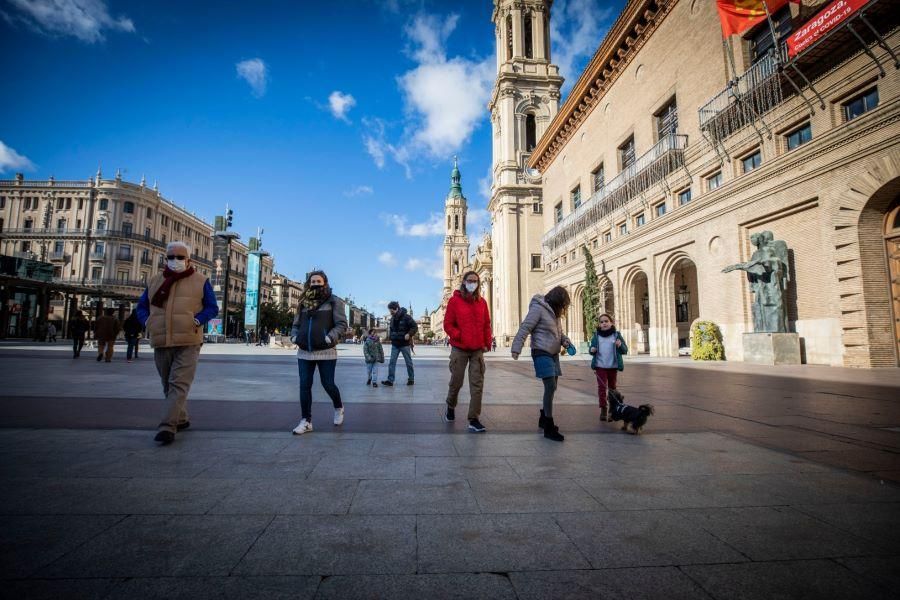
point(98, 255)
point(125, 257)
point(60, 256)
point(648, 170)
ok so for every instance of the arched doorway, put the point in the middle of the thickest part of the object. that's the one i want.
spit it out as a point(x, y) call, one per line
point(892, 255)
point(640, 311)
point(607, 302)
point(679, 303)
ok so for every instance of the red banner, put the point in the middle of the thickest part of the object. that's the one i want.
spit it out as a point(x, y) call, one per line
point(824, 21)
point(738, 16)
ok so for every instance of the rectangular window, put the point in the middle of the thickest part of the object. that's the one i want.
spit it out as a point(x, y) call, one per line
point(860, 104)
point(59, 247)
point(97, 273)
point(147, 232)
point(623, 228)
point(60, 225)
point(576, 197)
point(535, 262)
point(557, 213)
point(640, 220)
point(684, 197)
point(714, 181)
point(2, 202)
point(80, 203)
point(60, 203)
point(598, 178)
point(101, 225)
point(149, 213)
point(751, 162)
point(799, 136)
point(761, 42)
point(595, 243)
point(564, 259)
point(626, 153)
point(537, 208)
point(99, 247)
point(122, 276)
point(127, 228)
point(660, 209)
point(68, 203)
point(607, 237)
point(667, 120)
point(104, 204)
point(26, 246)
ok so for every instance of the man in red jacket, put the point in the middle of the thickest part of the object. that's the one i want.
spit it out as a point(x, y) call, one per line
point(468, 326)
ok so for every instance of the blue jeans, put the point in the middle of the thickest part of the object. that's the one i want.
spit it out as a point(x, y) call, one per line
point(372, 370)
point(307, 369)
point(407, 358)
point(132, 341)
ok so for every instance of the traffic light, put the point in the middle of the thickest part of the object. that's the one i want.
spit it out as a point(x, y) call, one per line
point(229, 217)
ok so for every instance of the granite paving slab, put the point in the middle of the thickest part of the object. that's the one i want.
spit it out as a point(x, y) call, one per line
point(493, 543)
point(412, 497)
point(333, 545)
point(217, 588)
point(880, 570)
point(776, 533)
point(786, 580)
point(472, 468)
point(57, 589)
point(365, 467)
point(643, 538)
point(255, 465)
point(408, 587)
point(877, 522)
point(644, 583)
point(288, 497)
point(170, 545)
point(29, 542)
point(533, 496)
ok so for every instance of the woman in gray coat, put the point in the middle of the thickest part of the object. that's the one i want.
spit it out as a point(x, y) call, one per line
point(547, 341)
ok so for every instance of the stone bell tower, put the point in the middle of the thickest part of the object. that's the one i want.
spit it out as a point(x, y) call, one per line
point(524, 101)
point(456, 242)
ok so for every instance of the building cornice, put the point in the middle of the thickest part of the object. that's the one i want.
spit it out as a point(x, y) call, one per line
point(632, 28)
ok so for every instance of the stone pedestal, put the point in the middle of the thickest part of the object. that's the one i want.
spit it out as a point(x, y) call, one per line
point(772, 348)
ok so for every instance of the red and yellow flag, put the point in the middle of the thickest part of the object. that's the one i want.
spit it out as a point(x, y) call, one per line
point(738, 16)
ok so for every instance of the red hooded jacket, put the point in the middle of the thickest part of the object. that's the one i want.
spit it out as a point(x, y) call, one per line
point(468, 323)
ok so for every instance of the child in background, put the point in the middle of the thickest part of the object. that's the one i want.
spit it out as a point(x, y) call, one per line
point(607, 347)
point(374, 354)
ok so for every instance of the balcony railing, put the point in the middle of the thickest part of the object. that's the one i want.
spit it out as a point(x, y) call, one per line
point(125, 256)
point(648, 170)
point(45, 183)
point(97, 283)
point(98, 255)
point(61, 255)
point(49, 232)
point(147, 260)
point(744, 100)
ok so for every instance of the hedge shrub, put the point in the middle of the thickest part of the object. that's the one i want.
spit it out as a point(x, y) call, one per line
point(706, 341)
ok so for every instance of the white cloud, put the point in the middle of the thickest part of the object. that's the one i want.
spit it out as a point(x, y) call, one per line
point(10, 159)
point(484, 183)
point(476, 218)
point(359, 191)
point(340, 104)
point(433, 226)
point(379, 148)
point(256, 73)
point(83, 19)
point(431, 268)
point(388, 259)
point(576, 30)
point(445, 97)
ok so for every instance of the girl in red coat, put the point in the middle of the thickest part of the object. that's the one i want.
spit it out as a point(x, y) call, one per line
point(468, 326)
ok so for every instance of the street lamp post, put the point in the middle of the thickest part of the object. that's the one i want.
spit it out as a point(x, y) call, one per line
point(226, 236)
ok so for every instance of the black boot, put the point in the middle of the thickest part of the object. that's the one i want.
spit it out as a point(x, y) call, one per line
point(551, 431)
point(542, 420)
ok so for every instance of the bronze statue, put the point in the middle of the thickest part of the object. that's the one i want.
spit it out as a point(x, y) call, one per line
point(768, 274)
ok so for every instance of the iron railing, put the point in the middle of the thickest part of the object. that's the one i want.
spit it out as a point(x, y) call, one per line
point(651, 168)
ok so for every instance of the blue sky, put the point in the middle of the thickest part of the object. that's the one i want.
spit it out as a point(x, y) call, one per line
point(330, 124)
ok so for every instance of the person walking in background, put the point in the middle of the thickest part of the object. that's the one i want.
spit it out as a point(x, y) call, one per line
point(106, 330)
point(543, 324)
point(373, 352)
point(467, 323)
point(132, 328)
point(79, 327)
point(402, 329)
point(51, 332)
point(607, 348)
point(318, 327)
point(174, 308)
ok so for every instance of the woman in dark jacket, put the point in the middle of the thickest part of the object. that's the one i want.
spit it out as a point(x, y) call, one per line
point(79, 327)
point(132, 328)
point(318, 327)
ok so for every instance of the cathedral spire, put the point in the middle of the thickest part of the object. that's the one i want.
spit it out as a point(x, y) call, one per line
point(455, 179)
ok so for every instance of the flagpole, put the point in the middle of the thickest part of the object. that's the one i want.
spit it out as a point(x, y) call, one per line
point(775, 39)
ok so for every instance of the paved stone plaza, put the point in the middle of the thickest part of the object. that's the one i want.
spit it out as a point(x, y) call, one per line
point(743, 485)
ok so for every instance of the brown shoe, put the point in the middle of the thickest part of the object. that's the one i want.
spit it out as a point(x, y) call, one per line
point(604, 414)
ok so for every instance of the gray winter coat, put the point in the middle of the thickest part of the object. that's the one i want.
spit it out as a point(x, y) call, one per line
point(544, 327)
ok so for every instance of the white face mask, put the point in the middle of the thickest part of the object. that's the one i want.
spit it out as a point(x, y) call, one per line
point(176, 265)
point(471, 287)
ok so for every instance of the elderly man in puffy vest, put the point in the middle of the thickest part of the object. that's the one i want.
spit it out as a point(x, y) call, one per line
point(175, 306)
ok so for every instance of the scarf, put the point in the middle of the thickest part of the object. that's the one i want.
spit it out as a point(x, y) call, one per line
point(607, 333)
point(162, 294)
point(313, 298)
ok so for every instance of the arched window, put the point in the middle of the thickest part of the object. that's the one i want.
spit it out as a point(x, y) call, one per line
point(456, 222)
point(128, 207)
point(448, 222)
point(455, 267)
point(529, 44)
point(530, 133)
point(547, 35)
point(509, 38)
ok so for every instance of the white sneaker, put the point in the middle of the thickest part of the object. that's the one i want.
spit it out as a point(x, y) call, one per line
point(304, 427)
point(339, 416)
